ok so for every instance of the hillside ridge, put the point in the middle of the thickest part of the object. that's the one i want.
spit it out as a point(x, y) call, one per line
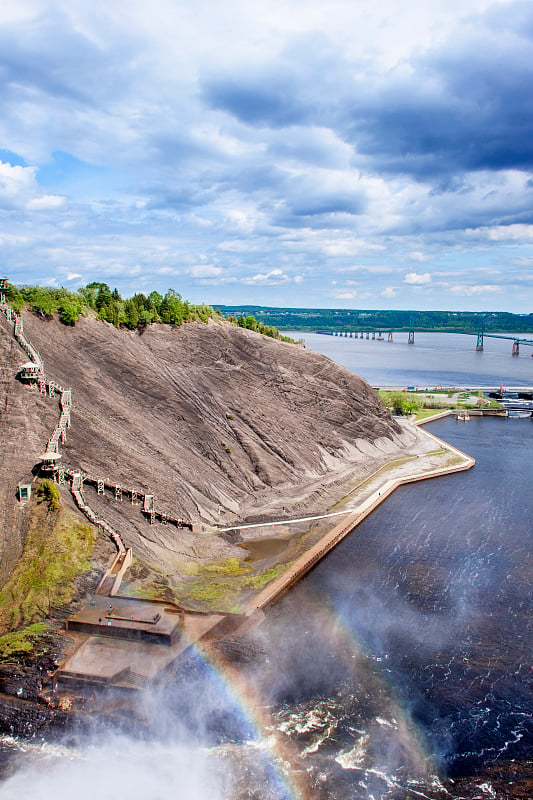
point(220, 422)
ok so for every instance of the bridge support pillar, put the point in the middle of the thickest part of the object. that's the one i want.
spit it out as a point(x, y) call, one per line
point(516, 348)
point(479, 345)
point(373, 336)
point(411, 338)
point(389, 337)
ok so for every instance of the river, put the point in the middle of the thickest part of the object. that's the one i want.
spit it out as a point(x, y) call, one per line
point(435, 358)
point(404, 657)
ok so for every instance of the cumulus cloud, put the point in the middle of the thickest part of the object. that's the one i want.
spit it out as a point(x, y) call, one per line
point(45, 202)
point(273, 278)
point(19, 189)
point(390, 134)
point(417, 279)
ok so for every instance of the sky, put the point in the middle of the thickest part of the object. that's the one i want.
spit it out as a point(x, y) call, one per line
point(349, 153)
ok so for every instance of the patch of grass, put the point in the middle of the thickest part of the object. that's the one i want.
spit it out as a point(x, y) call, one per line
point(428, 412)
point(219, 585)
point(454, 460)
point(258, 581)
point(228, 567)
point(152, 590)
point(57, 548)
point(23, 641)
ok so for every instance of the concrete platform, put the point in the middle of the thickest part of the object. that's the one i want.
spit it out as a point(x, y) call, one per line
point(124, 662)
point(126, 618)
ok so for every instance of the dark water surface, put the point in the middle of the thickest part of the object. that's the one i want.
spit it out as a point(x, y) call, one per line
point(437, 582)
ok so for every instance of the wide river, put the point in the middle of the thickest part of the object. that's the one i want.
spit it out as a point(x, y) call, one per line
point(403, 657)
point(435, 358)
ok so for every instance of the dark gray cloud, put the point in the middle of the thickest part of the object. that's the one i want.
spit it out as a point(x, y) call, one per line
point(350, 135)
point(48, 55)
point(270, 102)
point(467, 105)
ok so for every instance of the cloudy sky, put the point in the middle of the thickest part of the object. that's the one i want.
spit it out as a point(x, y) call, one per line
point(348, 153)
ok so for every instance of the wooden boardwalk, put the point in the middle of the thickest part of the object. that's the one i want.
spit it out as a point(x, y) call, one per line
point(33, 373)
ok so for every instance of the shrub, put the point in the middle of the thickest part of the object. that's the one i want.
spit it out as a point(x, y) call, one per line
point(49, 493)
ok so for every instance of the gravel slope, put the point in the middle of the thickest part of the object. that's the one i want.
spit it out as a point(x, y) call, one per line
point(218, 422)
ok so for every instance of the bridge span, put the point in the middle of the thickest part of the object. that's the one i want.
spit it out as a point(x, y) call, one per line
point(382, 334)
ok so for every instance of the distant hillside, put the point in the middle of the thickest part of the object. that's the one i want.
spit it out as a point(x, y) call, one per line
point(314, 319)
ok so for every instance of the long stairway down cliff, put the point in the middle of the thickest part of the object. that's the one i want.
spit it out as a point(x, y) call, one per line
point(218, 423)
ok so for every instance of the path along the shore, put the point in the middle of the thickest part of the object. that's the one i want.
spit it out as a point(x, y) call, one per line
point(363, 500)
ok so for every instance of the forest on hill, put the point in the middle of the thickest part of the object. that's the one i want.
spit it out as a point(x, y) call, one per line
point(317, 319)
point(133, 313)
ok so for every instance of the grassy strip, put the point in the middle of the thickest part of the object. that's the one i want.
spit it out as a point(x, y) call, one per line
point(219, 585)
point(429, 412)
point(57, 548)
point(23, 641)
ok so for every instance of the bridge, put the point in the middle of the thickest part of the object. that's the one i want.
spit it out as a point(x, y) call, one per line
point(379, 334)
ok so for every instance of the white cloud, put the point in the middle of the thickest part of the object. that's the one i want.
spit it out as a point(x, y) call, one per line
point(471, 291)
point(151, 172)
point(418, 255)
point(502, 233)
point(345, 295)
point(417, 279)
point(45, 202)
point(205, 271)
point(72, 276)
point(272, 278)
point(19, 189)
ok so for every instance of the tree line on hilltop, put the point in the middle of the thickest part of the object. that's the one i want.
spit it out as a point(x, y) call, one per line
point(344, 320)
point(133, 313)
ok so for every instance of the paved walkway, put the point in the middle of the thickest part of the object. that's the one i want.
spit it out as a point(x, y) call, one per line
point(375, 492)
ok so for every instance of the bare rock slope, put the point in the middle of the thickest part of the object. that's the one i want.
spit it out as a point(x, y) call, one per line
point(218, 422)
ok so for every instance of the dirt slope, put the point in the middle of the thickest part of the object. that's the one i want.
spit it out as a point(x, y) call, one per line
point(218, 422)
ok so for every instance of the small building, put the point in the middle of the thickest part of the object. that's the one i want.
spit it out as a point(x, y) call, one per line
point(30, 371)
point(50, 459)
point(24, 492)
point(3, 284)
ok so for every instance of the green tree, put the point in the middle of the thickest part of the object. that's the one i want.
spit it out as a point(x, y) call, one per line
point(69, 309)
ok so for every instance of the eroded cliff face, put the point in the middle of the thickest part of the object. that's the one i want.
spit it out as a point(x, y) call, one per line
point(26, 420)
point(216, 421)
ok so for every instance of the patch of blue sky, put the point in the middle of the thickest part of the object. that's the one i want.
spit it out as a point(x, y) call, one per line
point(66, 173)
point(14, 159)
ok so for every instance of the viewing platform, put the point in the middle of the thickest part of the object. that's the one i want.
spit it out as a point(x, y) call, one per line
point(126, 618)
